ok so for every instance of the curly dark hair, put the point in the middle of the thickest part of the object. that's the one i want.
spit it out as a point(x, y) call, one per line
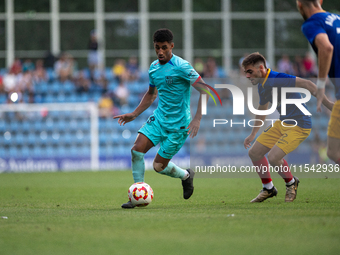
point(163, 35)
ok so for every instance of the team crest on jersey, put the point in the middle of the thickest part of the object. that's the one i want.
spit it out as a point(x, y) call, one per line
point(168, 79)
point(192, 74)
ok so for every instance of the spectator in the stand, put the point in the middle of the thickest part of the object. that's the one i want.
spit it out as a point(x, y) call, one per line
point(132, 69)
point(49, 60)
point(2, 90)
point(102, 82)
point(284, 65)
point(28, 65)
point(199, 66)
point(64, 67)
point(119, 70)
point(298, 67)
point(10, 81)
point(16, 67)
point(106, 106)
point(122, 93)
point(24, 79)
point(310, 66)
point(82, 83)
point(93, 54)
point(210, 68)
point(39, 74)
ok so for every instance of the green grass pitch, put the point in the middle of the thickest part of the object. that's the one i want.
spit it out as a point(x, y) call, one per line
point(79, 213)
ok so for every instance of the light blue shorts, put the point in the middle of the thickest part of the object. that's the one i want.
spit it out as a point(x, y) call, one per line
point(170, 142)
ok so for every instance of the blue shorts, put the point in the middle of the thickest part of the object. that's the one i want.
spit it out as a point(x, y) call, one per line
point(170, 142)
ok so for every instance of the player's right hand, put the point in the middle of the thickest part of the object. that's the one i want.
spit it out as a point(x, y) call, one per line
point(319, 97)
point(248, 140)
point(125, 118)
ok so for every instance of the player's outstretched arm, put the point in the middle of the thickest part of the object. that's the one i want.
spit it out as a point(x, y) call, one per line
point(307, 84)
point(247, 142)
point(325, 55)
point(148, 98)
point(196, 121)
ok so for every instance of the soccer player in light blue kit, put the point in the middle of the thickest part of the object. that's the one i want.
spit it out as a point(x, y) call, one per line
point(171, 78)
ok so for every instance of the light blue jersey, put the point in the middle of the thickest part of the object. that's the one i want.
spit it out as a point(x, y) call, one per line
point(173, 81)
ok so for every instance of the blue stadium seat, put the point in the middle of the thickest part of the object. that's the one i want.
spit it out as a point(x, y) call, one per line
point(38, 151)
point(3, 71)
point(55, 87)
point(25, 152)
point(68, 87)
point(83, 97)
point(19, 139)
point(51, 74)
point(41, 87)
point(74, 151)
point(109, 74)
point(84, 151)
point(38, 99)
point(66, 138)
point(61, 151)
point(61, 124)
point(3, 98)
point(3, 126)
point(13, 152)
point(96, 96)
point(61, 98)
point(49, 151)
point(3, 152)
point(7, 138)
point(112, 85)
point(14, 126)
point(84, 124)
point(120, 150)
point(32, 139)
point(49, 98)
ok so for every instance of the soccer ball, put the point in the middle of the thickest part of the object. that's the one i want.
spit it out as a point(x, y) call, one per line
point(140, 194)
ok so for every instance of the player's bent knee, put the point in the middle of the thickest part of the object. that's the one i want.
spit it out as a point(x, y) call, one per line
point(253, 155)
point(273, 160)
point(133, 155)
point(158, 167)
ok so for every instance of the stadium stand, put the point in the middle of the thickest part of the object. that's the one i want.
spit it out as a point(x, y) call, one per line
point(64, 134)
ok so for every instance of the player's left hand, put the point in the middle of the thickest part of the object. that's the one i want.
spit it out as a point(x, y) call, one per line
point(193, 127)
point(319, 96)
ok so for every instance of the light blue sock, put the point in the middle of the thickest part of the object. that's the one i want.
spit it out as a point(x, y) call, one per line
point(174, 171)
point(138, 166)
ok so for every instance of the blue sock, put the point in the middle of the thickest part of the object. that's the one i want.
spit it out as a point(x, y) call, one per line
point(138, 166)
point(174, 171)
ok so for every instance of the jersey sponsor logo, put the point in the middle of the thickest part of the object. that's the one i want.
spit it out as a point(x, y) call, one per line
point(152, 118)
point(168, 79)
point(192, 74)
point(267, 129)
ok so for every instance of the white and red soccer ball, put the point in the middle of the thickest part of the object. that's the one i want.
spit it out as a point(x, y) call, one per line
point(140, 194)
